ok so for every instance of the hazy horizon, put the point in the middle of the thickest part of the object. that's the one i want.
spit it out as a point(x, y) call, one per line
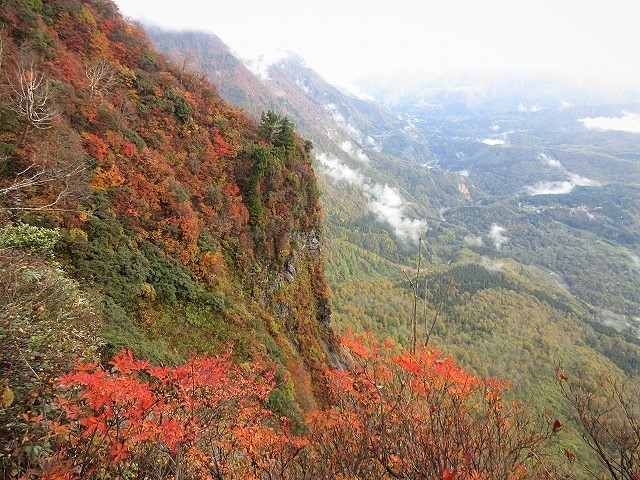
point(593, 41)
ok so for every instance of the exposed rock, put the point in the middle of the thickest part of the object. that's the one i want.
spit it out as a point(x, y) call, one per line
point(314, 243)
point(323, 314)
point(290, 269)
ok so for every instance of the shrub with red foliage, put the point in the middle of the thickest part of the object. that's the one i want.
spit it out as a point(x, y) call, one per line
point(393, 415)
point(419, 415)
point(204, 419)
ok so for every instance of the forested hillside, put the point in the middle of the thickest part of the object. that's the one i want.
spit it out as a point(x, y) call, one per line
point(139, 210)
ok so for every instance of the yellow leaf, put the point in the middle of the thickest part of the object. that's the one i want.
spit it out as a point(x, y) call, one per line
point(7, 398)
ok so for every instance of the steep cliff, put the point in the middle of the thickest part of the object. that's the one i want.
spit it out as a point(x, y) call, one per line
point(129, 186)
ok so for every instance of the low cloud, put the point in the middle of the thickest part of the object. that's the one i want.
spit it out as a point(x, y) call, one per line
point(491, 265)
point(628, 122)
point(353, 152)
point(383, 201)
point(333, 168)
point(352, 131)
point(357, 91)
point(260, 66)
point(474, 240)
point(463, 173)
point(533, 108)
point(551, 161)
point(635, 259)
point(559, 187)
point(551, 188)
point(388, 205)
point(303, 85)
point(492, 141)
point(497, 237)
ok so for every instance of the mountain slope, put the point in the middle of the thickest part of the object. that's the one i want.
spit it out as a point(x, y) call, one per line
point(188, 225)
point(372, 161)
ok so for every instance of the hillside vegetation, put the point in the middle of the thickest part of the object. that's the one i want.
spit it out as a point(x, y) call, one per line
point(139, 210)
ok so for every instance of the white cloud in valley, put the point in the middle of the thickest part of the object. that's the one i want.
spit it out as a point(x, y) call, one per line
point(383, 201)
point(349, 129)
point(559, 187)
point(535, 108)
point(496, 234)
point(492, 141)
point(354, 152)
point(475, 240)
point(552, 162)
point(491, 265)
point(628, 122)
point(387, 204)
point(333, 168)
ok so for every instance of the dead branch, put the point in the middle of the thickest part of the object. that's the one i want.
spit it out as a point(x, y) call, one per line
point(40, 175)
point(30, 97)
point(101, 77)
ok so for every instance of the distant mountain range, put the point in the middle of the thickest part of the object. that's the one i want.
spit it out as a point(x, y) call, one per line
point(491, 93)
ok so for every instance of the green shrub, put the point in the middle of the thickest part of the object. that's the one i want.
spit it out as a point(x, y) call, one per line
point(30, 238)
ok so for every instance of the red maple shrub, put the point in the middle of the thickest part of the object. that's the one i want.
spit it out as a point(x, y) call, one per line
point(203, 419)
point(410, 416)
point(393, 415)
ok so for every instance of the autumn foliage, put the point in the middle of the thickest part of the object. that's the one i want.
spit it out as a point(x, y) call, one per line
point(393, 415)
point(203, 419)
point(403, 415)
point(174, 208)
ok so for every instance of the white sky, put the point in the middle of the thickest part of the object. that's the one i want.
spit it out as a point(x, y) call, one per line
point(346, 39)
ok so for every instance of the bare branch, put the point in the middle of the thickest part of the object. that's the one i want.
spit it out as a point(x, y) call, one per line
point(101, 77)
point(30, 97)
point(37, 176)
point(609, 414)
point(1, 45)
point(416, 287)
point(186, 60)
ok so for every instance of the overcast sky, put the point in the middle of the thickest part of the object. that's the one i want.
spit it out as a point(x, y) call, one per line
point(347, 39)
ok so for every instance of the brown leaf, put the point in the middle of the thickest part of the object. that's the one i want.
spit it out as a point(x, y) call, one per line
point(556, 426)
point(569, 454)
point(7, 398)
